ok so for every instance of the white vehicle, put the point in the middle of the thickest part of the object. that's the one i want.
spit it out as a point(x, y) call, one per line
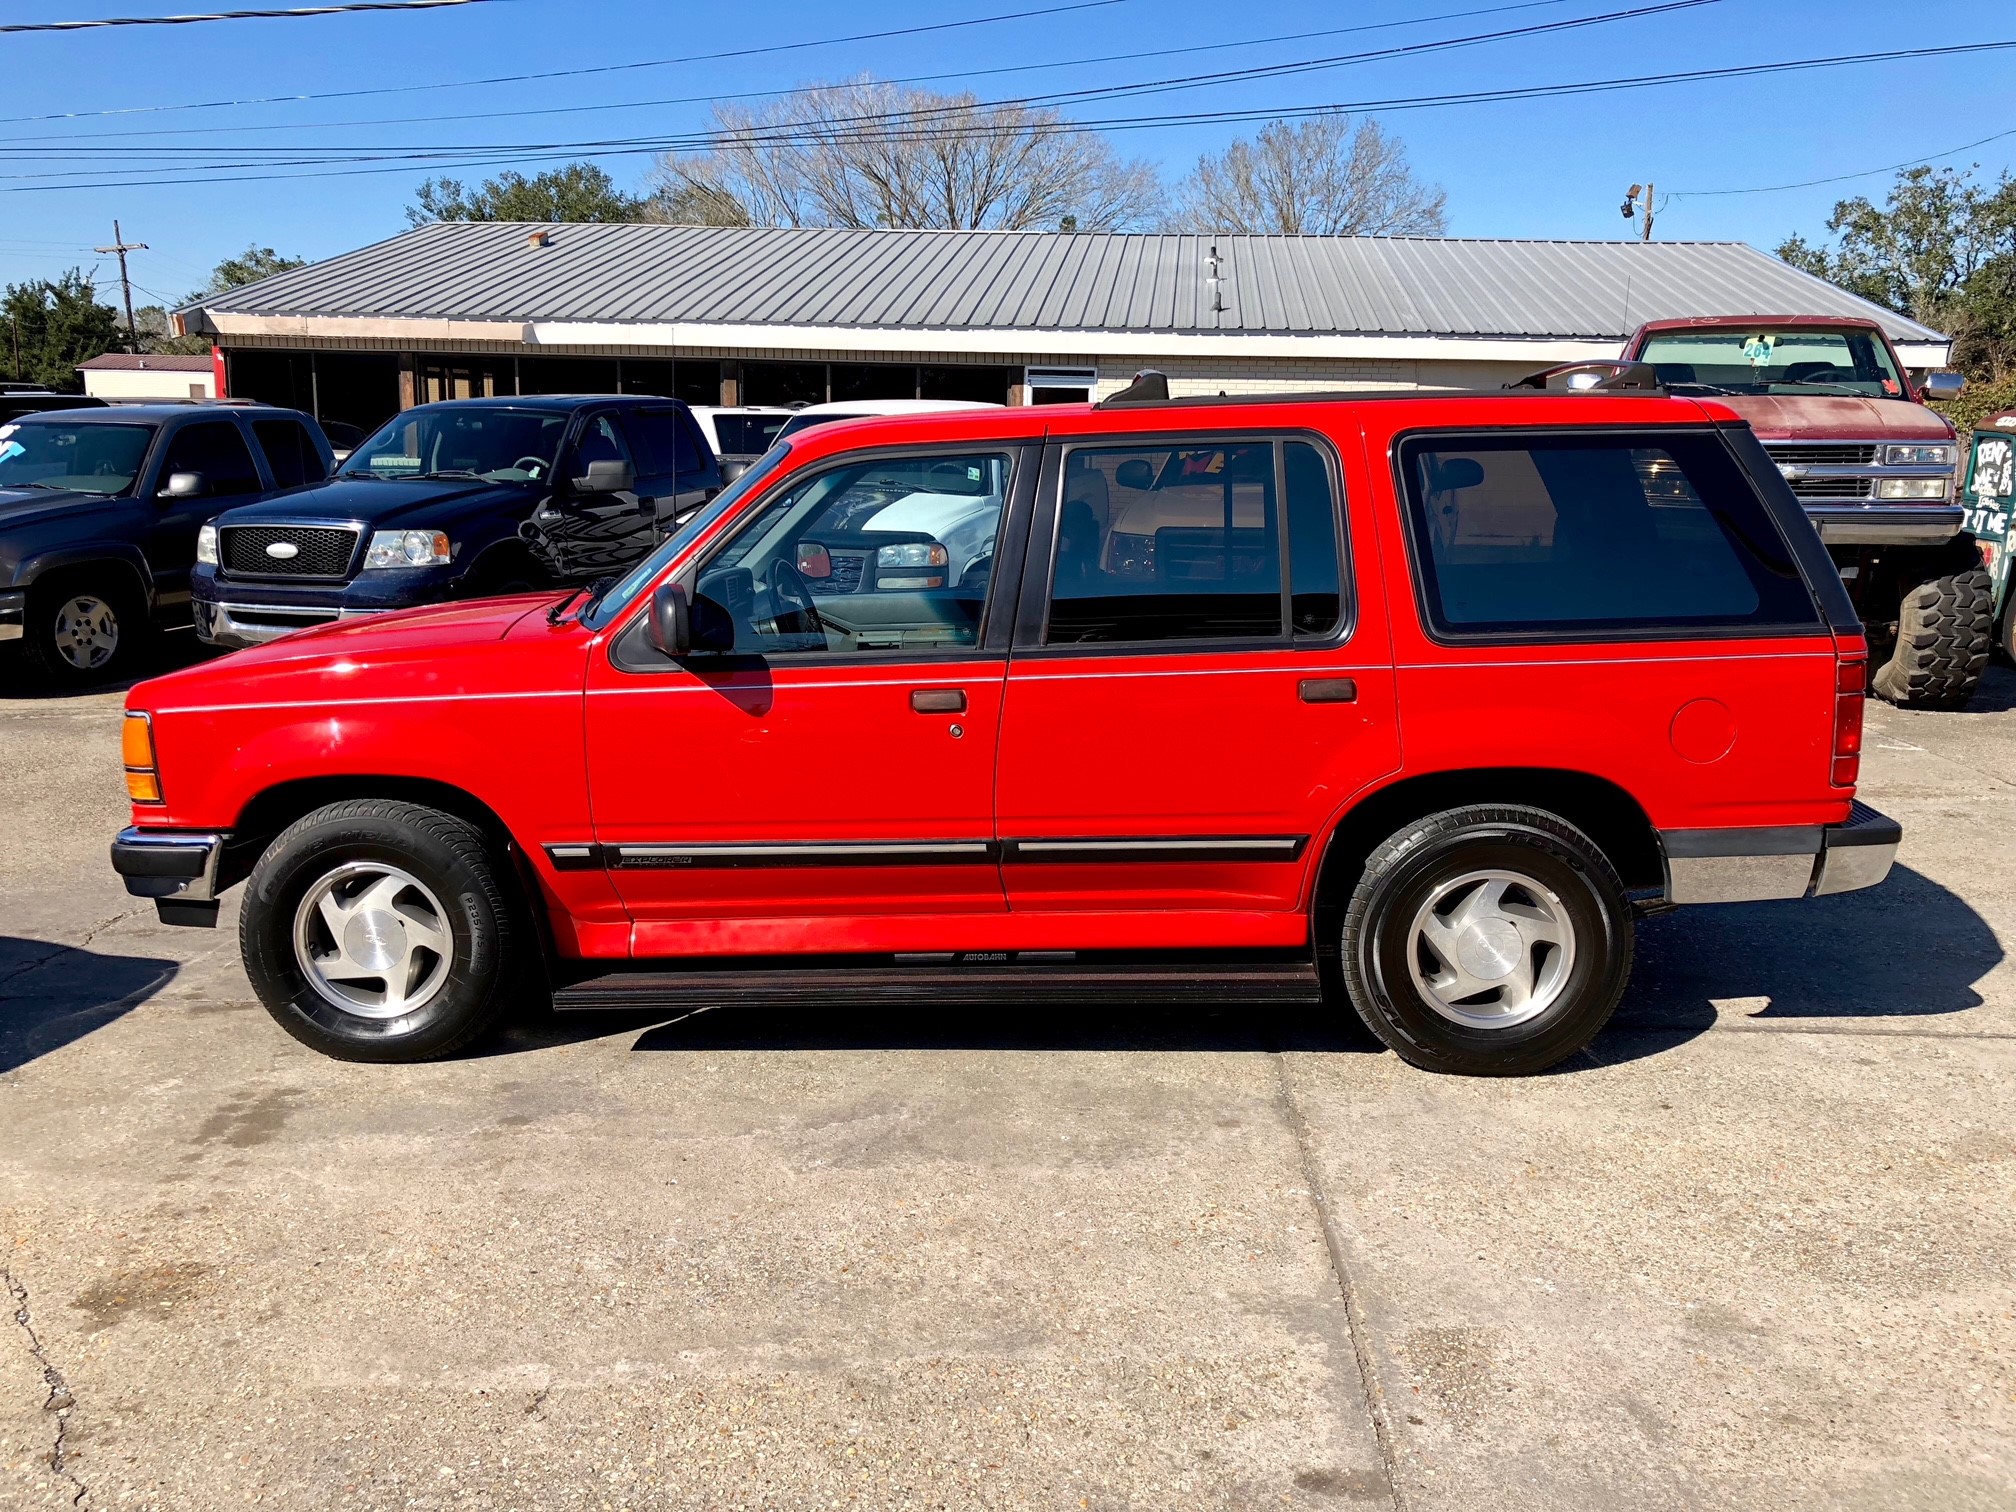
point(742, 432)
point(865, 409)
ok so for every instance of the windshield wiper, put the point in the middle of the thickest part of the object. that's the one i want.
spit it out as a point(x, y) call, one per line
point(38, 483)
point(594, 590)
point(451, 472)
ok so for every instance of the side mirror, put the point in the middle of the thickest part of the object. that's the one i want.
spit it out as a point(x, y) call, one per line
point(1135, 473)
point(1941, 388)
point(607, 477)
point(1455, 472)
point(814, 560)
point(671, 621)
point(731, 469)
point(185, 485)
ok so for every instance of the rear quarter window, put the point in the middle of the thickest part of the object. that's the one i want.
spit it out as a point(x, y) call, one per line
point(1586, 534)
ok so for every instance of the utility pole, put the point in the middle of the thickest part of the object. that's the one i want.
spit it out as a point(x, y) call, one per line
point(122, 247)
point(1630, 206)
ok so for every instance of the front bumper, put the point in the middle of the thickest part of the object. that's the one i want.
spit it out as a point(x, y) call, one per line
point(1791, 861)
point(13, 614)
point(237, 625)
point(1886, 524)
point(176, 868)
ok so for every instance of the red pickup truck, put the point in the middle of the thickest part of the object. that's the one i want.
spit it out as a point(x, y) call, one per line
point(1875, 469)
point(1409, 701)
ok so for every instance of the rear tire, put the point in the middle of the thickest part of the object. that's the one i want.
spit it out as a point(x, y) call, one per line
point(83, 629)
point(368, 884)
point(1487, 941)
point(1945, 631)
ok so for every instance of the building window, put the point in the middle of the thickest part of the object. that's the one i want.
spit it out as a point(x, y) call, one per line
point(1062, 385)
point(872, 380)
point(980, 385)
point(696, 381)
point(650, 376)
point(565, 375)
point(783, 383)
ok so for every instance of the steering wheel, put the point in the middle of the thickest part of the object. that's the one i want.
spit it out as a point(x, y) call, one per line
point(530, 466)
point(792, 611)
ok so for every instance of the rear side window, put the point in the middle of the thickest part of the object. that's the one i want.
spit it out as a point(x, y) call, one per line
point(215, 449)
point(289, 453)
point(747, 435)
point(1571, 534)
point(667, 443)
point(1190, 542)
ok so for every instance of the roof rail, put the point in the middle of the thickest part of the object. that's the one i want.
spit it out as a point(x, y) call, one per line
point(1608, 374)
point(1148, 387)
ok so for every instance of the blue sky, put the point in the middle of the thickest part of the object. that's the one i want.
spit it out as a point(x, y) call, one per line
point(1530, 169)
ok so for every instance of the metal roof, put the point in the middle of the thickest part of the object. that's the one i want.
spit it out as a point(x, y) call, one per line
point(1043, 281)
point(151, 362)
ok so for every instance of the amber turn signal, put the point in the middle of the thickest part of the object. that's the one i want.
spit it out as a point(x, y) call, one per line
point(136, 748)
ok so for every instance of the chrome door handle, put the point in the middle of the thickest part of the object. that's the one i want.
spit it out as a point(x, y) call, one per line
point(938, 700)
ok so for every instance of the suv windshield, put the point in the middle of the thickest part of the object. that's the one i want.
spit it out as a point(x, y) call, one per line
point(96, 459)
point(1763, 360)
point(489, 442)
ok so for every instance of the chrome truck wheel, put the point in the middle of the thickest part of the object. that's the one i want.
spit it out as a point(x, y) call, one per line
point(1492, 949)
point(373, 940)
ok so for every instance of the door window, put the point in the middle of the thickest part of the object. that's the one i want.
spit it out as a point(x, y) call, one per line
point(290, 455)
point(601, 441)
point(893, 554)
point(1184, 542)
point(1567, 533)
point(215, 449)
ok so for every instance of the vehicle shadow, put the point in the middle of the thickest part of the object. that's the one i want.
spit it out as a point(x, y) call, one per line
point(53, 994)
point(1997, 693)
point(1907, 949)
point(169, 651)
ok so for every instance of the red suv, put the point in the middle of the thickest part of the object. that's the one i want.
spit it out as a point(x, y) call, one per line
point(1412, 700)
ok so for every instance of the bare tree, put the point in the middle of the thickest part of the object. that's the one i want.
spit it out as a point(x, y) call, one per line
point(1324, 177)
point(868, 154)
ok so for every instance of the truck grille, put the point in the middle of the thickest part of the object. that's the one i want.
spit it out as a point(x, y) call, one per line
point(848, 567)
point(1823, 454)
point(324, 551)
point(1833, 488)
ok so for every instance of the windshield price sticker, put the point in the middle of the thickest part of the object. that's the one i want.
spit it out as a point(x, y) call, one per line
point(1758, 349)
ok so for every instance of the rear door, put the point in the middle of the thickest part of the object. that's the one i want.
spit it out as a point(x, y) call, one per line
point(675, 466)
point(1200, 680)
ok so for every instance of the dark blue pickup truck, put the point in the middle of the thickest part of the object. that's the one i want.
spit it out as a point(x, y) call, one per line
point(463, 499)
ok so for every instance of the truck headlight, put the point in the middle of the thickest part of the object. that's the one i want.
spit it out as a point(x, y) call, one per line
point(914, 561)
point(1910, 488)
point(1918, 456)
point(206, 545)
point(407, 548)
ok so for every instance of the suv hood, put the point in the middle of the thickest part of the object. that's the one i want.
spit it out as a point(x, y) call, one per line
point(387, 502)
point(1835, 417)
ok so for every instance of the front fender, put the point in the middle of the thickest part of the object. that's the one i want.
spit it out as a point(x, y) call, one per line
point(39, 564)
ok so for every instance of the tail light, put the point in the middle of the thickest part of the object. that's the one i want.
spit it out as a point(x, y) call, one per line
point(1850, 678)
point(136, 747)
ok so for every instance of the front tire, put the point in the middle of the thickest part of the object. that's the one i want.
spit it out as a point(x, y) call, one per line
point(375, 930)
point(1945, 630)
point(82, 631)
point(1487, 941)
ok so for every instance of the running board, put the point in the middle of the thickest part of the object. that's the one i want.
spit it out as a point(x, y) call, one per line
point(951, 983)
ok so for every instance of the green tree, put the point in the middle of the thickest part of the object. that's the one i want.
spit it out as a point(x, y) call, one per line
point(1941, 248)
point(577, 192)
point(249, 266)
point(48, 326)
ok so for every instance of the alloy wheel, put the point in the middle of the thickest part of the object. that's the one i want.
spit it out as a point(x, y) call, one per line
point(373, 940)
point(86, 632)
point(1490, 949)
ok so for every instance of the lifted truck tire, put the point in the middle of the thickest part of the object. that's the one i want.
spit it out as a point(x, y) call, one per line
point(1487, 941)
point(1945, 631)
point(375, 930)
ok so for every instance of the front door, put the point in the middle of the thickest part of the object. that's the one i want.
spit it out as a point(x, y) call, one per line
point(1197, 688)
point(818, 774)
point(216, 451)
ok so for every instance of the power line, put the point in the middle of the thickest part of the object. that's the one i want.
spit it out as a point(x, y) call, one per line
point(846, 126)
point(571, 73)
point(245, 15)
point(1842, 178)
point(638, 146)
point(764, 94)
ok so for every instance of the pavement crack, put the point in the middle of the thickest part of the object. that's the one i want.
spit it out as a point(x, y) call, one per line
point(57, 948)
point(60, 1401)
point(1354, 1308)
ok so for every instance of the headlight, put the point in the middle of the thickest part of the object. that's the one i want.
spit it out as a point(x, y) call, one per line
point(1910, 488)
point(1918, 456)
point(407, 548)
point(919, 564)
point(206, 545)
